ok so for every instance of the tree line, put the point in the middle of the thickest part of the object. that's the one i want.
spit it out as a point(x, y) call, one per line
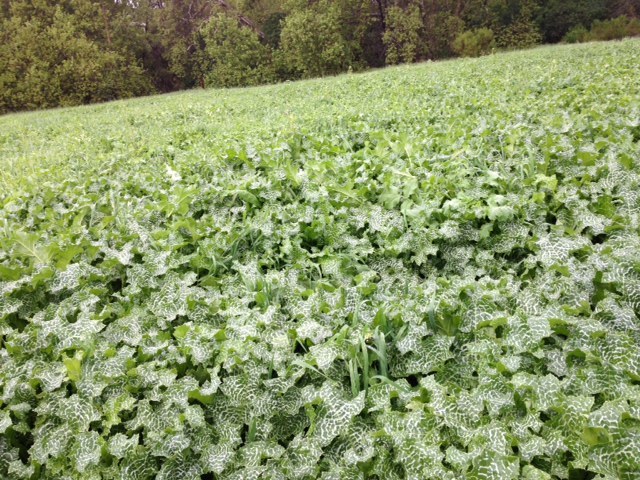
point(70, 52)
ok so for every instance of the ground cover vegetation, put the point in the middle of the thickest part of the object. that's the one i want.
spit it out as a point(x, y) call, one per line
point(420, 272)
point(71, 52)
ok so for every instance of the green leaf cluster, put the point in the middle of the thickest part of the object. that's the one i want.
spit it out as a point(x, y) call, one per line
point(422, 272)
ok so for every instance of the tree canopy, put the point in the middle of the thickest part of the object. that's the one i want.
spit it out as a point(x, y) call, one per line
point(69, 52)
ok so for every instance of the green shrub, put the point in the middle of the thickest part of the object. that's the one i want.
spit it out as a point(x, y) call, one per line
point(231, 55)
point(474, 43)
point(615, 28)
point(520, 34)
point(576, 35)
point(43, 66)
point(312, 42)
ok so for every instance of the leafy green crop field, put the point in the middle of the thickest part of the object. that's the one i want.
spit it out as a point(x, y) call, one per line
point(425, 272)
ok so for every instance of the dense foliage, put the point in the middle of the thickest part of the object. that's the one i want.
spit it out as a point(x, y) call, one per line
point(605, 30)
point(474, 43)
point(232, 56)
point(55, 61)
point(68, 52)
point(312, 42)
point(420, 272)
point(402, 36)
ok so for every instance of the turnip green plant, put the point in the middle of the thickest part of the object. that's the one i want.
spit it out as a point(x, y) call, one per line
point(420, 272)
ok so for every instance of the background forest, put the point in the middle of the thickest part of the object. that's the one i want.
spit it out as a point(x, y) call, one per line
point(69, 52)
